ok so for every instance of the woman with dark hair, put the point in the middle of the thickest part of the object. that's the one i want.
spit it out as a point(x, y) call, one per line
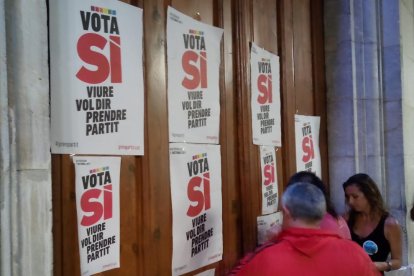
point(370, 223)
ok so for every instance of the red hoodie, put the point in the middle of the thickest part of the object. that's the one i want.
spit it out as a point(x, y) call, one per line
point(307, 252)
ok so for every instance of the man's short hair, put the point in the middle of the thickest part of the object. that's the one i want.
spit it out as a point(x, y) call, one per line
point(304, 201)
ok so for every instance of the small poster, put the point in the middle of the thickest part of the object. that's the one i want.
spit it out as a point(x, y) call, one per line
point(210, 272)
point(193, 50)
point(270, 196)
point(265, 101)
point(308, 157)
point(195, 171)
point(97, 87)
point(97, 205)
point(268, 225)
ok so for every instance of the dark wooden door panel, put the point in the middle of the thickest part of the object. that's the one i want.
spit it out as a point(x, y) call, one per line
point(291, 29)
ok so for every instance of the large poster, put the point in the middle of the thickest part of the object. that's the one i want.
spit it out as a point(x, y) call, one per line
point(97, 98)
point(308, 157)
point(195, 171)
point(270, 196)
point(265, 101)
point(193, 79)
point(97, 205)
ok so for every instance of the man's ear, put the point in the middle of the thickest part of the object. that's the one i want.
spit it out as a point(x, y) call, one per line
point(286, 212)
point(287, 218)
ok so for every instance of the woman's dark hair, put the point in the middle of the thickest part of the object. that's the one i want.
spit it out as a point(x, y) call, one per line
point(412, 212)
point(309, 177)
point(371, 192)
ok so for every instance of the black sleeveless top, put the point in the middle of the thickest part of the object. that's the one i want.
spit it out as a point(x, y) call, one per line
point(375, 244)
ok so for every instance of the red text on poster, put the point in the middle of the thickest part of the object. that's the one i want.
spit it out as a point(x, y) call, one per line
point(101, 32)
point(96, 205)
point(198, 192)
point(308, 153)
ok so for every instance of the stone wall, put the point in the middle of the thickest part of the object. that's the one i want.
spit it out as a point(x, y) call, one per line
point(25, 160)
point(367, 101)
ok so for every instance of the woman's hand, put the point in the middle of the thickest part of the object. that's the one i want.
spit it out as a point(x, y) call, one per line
point(393, 234)
point(383, 266)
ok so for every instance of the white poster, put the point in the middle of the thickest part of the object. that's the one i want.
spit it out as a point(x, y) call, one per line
point(308, 156)
point(267, 224)
point(265, 101)
point(97, 205)
point(193, 50)
point(210, 272)
point(195, 171)
point(97, 91)
point(270, 195)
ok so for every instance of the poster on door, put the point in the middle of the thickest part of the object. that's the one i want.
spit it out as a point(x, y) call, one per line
point(97, 206)
point(96, 76)
point(268, 226)
point(210, 272)
point(195, 171)
point(193, 50)
point(270, 195)
point(308, 156)
point(265, 99)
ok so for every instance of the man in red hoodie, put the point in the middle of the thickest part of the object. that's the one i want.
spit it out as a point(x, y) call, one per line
point(303, 248)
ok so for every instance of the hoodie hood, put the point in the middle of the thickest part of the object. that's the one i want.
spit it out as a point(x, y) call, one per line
point(306, 241)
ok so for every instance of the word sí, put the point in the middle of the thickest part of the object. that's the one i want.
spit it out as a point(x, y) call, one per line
point(198, 188)
point(97, 197)
point(91, 47)
point(307, 144)
point(264, 83)
point(269, 170)
point(194, 60)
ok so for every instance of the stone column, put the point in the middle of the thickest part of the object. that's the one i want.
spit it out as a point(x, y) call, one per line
point(26, 199)
point(5, 177)
point(407, 71)
point(364, 98)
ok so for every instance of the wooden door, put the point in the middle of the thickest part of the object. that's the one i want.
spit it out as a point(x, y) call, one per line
point(290, 28)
